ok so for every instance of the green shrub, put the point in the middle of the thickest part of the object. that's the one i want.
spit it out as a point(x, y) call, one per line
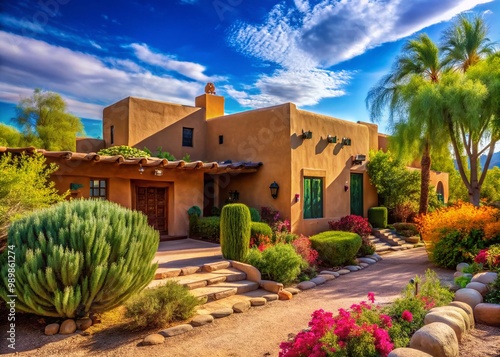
point(260, 228)
point(160, 306)
point(280, 263)
point(406, 229)
point(127, 152)
point(208, 228)
point(254, 213)
point(284, 237)
point(456, 247)
point(377, 216)
point(78, 257)
point(215, 211)
point(462, 281)
point(336, 247)
point(194, 210)
point(235, 231)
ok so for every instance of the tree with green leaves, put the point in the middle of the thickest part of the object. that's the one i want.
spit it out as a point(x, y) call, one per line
point(46, 122)
point(415, 128)
point(491, 186)
point(25, 186)
point(10, 136)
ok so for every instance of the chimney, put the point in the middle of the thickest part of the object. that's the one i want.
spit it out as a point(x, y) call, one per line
point(213, 104)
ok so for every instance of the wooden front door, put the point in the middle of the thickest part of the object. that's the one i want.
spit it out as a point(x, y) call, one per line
point(153, 202)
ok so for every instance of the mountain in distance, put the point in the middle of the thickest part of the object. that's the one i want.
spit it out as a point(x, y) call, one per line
point(495, 160)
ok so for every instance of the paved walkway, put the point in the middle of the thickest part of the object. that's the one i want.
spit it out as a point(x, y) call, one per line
point(260, 331)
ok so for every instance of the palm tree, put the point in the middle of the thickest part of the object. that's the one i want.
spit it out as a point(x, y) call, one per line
point(465, 44)
point(419, 58)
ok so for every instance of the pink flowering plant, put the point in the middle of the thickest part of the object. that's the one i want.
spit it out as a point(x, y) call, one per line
point(361, 331)
point(489, 257)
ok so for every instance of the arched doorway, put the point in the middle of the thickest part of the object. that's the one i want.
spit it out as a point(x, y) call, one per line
point(440, 191)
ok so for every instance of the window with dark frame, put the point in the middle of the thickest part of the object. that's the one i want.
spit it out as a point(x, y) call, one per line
point(221, 139)
point(187, 137)
point(98, 189)
point(313, 197)
point(112, 134)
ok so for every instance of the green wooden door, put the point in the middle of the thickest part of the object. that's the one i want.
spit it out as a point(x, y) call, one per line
point(357, 194)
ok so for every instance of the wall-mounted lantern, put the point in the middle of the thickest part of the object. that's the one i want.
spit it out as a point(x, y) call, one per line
point(358, 159)
point(346, 141)
point(274, 187)
point(141, 169)
point(346, 186)
point(75, 186)
point(234, 196)
point(306, 134)
point(158, 172)
point(331, 139)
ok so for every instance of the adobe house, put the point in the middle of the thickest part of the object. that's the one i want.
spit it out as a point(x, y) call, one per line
point(315, 164)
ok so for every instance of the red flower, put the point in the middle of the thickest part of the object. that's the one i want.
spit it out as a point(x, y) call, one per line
point(406, 315)
point(371, 297)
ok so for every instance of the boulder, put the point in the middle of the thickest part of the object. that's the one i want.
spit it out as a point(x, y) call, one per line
point(330, 272)
point(271, 297)
point(271, 286)
point(51, 329)
point(222, 313)
point(327, 277)
point(201, 320)
point(241, 307)
point(407, 352)
point(465, 317)
point(176, 330)
point(253, 274)
point(343, 271)
point(258, 301)
point(449, 317)
point(488, 314)
point(285, 295)
point(437, 339)
point(153, 339)
point(294, 291)
point(462, 266)
point(485, 277)
point(352, 267)
point(318, 280)
point(367, 260)
point(83, 324)
point(468, 310)
point(482, 288)
point(469, 296)
point(67, 327)
point(306, 285)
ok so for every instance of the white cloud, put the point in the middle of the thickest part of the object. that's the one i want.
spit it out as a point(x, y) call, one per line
point(304, 38)
point(27, 63)
point(303, 87)
point(188, 69)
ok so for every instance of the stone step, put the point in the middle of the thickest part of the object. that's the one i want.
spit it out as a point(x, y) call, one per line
point(229, 301)
point(198, 280)
point(382, 248)
point(223, 290)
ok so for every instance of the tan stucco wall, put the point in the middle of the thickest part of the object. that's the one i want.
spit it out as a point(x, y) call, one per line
point(213, 105)
point(116, 115)
point(316, 157)
point(89, 145)
point(256, 135)
point(185, 186)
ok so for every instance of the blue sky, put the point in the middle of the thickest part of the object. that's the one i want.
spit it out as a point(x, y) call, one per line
point(322, 55)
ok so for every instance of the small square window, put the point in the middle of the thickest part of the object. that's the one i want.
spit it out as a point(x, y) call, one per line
point(98, 189)
point(221, 139)
point(187, 137)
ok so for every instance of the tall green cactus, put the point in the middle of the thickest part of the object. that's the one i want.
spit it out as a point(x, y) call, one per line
point(235, 223)
point(78, 257)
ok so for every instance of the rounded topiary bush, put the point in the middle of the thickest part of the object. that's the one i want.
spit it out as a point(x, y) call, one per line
point(377, 216)
point(260, 228)
point(235, 231)
point(336, 247)
point(79, 257)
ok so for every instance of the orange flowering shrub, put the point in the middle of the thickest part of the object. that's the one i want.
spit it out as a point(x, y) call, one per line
point(463, 217)
point(457, 233)
point(492, 230)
